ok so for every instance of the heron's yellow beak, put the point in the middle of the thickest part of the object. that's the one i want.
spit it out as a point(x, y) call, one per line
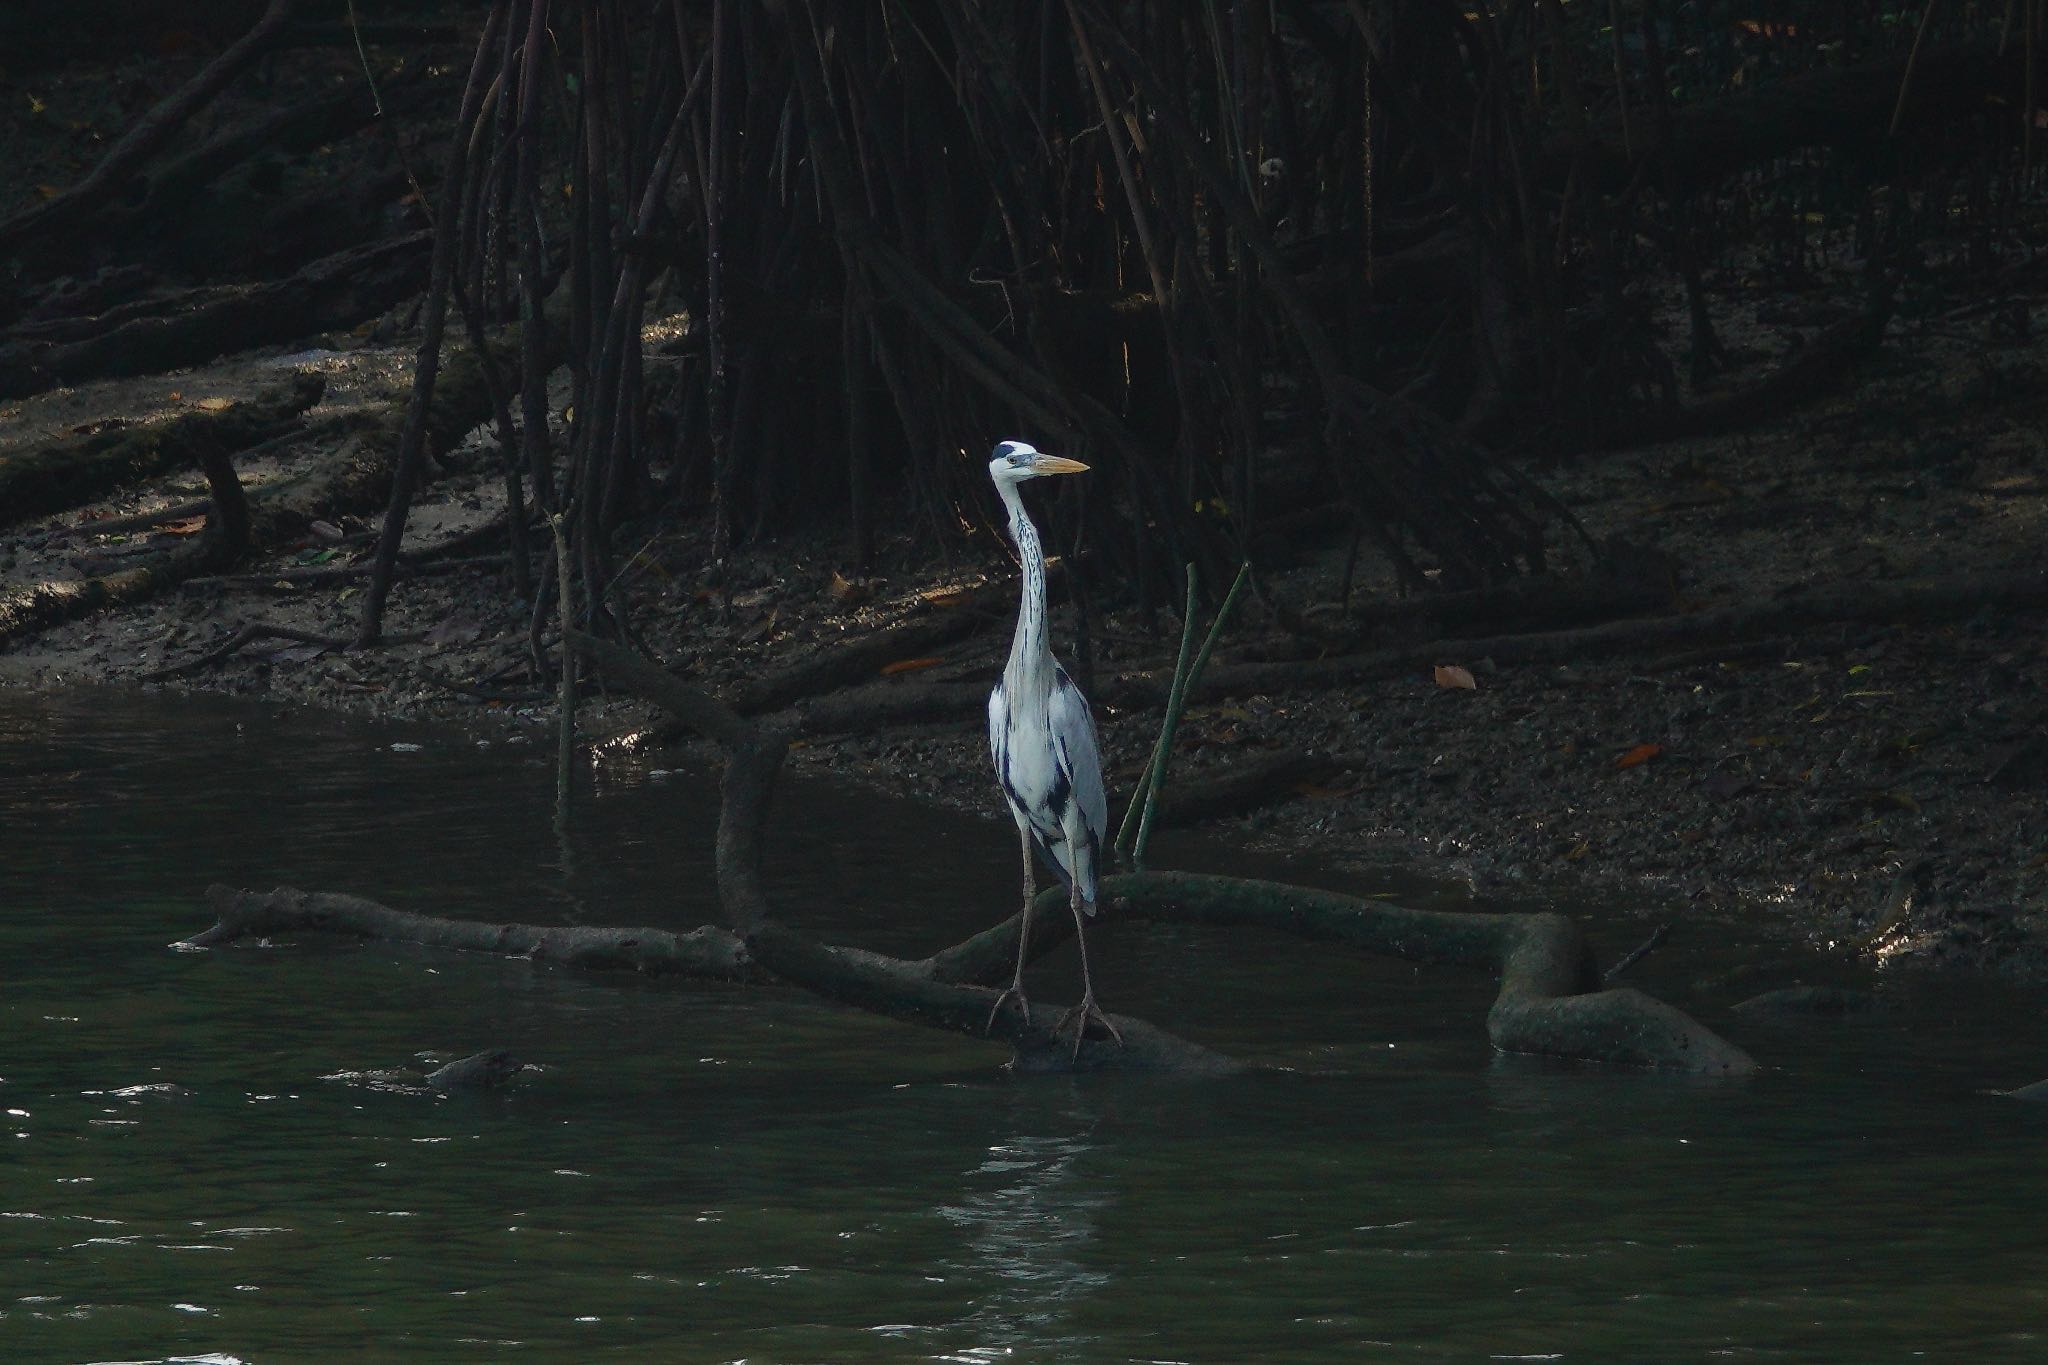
point(1057, 464)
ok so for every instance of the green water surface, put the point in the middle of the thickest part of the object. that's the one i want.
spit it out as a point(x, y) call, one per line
point(196, 1164)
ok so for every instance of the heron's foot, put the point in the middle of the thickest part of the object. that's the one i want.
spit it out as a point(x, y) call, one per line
point(1082, 1015)
point(1016, 989)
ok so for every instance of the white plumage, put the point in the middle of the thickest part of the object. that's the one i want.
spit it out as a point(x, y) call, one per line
point(1042, 737)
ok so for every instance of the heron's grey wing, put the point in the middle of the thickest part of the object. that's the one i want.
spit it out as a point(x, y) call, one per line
point(1073, 728)
point(998, 723)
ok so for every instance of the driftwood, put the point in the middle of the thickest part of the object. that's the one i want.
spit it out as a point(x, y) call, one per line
point(225, 540)
point(1877, 603)
point(1547, 1003)
point(898, 701)
point(71, 470)
point(355, 478)
point(710, 953)
point(149, 336)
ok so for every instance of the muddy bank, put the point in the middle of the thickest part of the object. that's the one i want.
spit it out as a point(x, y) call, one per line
point(1871, 784)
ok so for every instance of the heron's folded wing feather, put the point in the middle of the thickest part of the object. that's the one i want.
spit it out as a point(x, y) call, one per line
point(1073, 728)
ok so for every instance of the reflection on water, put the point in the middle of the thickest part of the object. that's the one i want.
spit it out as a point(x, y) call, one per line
point(227, 1156)
point(1028, 1214)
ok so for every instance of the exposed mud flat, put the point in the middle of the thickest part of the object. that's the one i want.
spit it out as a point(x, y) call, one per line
point(1865, 786)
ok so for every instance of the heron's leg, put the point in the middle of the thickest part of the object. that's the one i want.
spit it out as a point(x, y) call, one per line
point(1087, 1009)
point(1016, 986)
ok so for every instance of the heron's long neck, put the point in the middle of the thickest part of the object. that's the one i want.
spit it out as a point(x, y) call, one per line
point(1030, 652)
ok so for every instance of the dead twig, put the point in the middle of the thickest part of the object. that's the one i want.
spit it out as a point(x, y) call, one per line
point(247, 635)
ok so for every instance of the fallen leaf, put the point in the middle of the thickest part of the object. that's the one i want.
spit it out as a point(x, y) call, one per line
point(177, 395)
point(326, 530)
point(909, 666)
point(945, 597)
point(846, 592)
point(215, 404)
point(1642, 753)
point(1450, 675)
point(190, 526)
point(1578, 851)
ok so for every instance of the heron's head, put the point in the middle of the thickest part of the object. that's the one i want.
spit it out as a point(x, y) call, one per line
point(1015, 461)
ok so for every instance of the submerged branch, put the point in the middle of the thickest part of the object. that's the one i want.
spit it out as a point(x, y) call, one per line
point(1549, 1003)
point(708, 952)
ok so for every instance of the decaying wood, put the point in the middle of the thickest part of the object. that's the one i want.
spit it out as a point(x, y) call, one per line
point(1926, 599)
point(706, 953)
point(37, 606)
point(149, 336)
point(71, 470)
point(354, 478)
point(1546, 1005)
point(1549, 1003)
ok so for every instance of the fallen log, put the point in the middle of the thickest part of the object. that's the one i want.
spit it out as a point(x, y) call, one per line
point(1926, 599)
point(355, 478)
point(1549, 1003)
point(709, 953)
point(71, 470)
point(225, 539)
point(153, 335)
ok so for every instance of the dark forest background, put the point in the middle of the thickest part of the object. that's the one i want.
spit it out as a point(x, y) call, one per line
point(1263, 264)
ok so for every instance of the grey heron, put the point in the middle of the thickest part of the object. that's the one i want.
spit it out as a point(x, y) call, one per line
point(1042, 737)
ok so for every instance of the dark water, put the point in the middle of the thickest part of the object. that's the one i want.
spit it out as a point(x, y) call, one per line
point(706, 1174)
